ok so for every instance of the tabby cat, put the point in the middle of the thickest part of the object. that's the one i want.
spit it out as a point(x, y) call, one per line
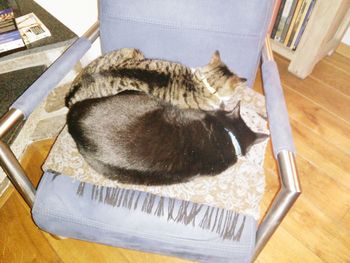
point(207, 88)
point(134, 138)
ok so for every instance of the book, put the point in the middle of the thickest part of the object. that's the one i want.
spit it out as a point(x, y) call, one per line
point(292, 23)
point(299, 21)
point(10, 38)
point(7, 25)
point(278, 17)
point(275, 10)
point(31, 28)
point(303, 26)
point(288, 21)
point(287, 6)
point(4, 4)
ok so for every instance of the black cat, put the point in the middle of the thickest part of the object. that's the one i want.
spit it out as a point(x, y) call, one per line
point(137, 139)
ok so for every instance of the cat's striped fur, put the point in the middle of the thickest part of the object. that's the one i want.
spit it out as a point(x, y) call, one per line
point(127, 69)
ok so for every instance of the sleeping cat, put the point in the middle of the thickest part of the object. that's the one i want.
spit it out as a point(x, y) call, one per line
point(134, 138)
point(206, 88)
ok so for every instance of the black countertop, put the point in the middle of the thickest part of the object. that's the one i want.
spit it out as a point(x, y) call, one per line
point(60, 34)
point(13, 84)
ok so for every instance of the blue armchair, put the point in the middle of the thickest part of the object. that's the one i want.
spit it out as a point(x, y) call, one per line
point(186, 31)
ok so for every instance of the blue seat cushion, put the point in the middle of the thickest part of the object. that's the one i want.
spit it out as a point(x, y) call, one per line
point(142, 221)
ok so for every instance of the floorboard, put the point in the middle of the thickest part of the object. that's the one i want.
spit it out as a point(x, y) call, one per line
point(20, 240)
point(319, 120)
point(335, 77)
point(325, 96)
point(321, 153)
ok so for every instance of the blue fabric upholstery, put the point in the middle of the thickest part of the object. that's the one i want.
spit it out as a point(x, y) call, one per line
point(189, 31)
point(131, 224)
point(27, 102)
point(281, 132)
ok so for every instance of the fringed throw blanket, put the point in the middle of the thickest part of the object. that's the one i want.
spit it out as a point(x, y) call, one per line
point(227, 224)
point(239, 189)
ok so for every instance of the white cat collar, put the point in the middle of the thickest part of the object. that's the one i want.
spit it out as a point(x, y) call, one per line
point(207, 85)
point(235, 143)
point(204, 80)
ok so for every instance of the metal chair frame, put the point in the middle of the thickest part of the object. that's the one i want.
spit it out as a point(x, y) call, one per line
point(283, 201)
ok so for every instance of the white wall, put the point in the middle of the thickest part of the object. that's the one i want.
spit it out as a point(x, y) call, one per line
point(77, 15)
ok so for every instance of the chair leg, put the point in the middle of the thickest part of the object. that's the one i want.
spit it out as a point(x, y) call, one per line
point(16, 174)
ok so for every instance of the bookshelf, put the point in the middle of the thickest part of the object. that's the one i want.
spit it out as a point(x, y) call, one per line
point(323, 33)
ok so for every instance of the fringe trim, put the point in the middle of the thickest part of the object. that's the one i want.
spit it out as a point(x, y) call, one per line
point(229, 225)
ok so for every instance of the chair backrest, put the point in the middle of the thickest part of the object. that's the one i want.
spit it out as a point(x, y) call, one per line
point(189, 31)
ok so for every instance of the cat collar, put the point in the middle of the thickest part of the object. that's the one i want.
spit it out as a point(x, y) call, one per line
point(235, 143)
point(204, 80)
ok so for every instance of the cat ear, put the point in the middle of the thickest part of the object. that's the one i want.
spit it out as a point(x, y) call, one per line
point(215, 59)
point(260, 137)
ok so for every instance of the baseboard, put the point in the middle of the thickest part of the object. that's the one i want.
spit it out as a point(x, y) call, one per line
point(344, 50)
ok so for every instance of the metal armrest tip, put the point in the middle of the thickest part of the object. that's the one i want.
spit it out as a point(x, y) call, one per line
point(283, 202)
point(9, 120)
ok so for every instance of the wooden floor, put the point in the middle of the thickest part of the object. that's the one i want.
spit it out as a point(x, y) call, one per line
point(316, 230)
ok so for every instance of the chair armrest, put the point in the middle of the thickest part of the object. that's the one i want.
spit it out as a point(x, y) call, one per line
point(284, 151)
point(27, 102)
point(281, 133)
